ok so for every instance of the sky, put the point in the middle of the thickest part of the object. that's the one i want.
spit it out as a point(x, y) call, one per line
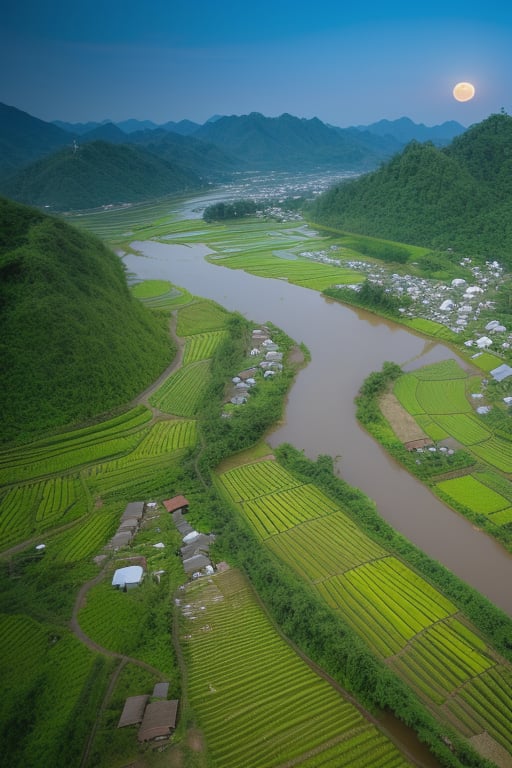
point(347, 63)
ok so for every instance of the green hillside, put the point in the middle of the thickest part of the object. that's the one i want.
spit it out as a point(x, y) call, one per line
point(459, 197)
point(74, 342)
point(96, 174)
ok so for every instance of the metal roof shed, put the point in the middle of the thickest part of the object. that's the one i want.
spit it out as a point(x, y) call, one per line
point(133, 711)
point(159, 720)
point(128, 577)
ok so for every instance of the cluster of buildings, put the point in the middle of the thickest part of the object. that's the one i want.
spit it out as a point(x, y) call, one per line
point(195, 550)
point(154, 715)
point(268, 362)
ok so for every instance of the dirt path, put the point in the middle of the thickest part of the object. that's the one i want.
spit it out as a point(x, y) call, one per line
point(143, 397)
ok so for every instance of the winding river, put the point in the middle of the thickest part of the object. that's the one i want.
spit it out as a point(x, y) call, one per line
point(346, 345)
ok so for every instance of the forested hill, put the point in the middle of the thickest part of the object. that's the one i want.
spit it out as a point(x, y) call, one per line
point(74, 342)
point(97, 174)
point(457, 197)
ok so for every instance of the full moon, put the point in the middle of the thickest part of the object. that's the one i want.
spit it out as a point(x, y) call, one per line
point(464, 91)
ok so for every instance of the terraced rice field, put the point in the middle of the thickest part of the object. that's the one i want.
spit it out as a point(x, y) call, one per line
point(403, 618)
point(257, 702)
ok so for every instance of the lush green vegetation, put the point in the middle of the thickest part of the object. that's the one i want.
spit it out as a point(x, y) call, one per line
point(55, 282)
point(258, 703)
point(235, 210)
point(457, 197)
point(97, 174)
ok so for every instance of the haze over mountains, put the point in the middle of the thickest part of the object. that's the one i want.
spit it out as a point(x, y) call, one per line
point(183, 155)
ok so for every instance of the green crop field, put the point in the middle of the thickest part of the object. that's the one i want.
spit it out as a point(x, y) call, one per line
point(257, 702)
point(472, 493)
point(253, 480)
point(201, 346)
point(200, 317)
point(439, 397)
point(431, 328)
point(342, 544)
point(402, 617)
point(71, 449)
point(181, 393)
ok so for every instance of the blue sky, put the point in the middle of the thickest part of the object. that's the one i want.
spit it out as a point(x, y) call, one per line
point(346, 63)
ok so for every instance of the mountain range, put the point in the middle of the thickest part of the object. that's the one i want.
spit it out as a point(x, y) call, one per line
point(194, 155)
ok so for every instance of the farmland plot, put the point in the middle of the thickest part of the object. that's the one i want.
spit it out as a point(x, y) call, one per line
point(181, 393)
point(473, 494)
point(257, 702)
point(201, 346)
point(253, 480)
point(33, 507)
point(199, 317)
point(398, 613)
point(72, 449)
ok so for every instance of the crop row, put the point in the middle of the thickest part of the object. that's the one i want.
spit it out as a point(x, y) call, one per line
point(165, 437)
point(87, 539)
point(202, 346)
point(445, 657)
point(280, 511)
point(441, 397)
point(181, 393)
point(252, 480)
point(324, 547)
point(133, 478)
point(444, 370)
point(299, 271)
point(489, 698)
point(405, 391)
point(497, 452)
point(431, 328)
point(464, 427)
point(389, 596)
point(257, 702)
point(199, 317)
point(68, 459)
point(80, 439)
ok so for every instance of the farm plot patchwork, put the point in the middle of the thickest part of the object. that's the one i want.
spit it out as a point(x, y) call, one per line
point(33, 507)
point(398, 613)
point(280, 511)
point(304, 272)
point(257, 702)
point(438, 397)
point(386, 602)
point(84, 446)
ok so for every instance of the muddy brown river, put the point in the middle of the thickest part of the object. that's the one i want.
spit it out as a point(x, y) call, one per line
point(346, 345)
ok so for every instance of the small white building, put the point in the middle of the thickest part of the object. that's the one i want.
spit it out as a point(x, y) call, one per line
point(129, 577)
point(483, 342)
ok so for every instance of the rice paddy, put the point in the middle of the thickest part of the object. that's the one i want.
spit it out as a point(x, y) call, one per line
point(258, 703)
point(405, 620)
